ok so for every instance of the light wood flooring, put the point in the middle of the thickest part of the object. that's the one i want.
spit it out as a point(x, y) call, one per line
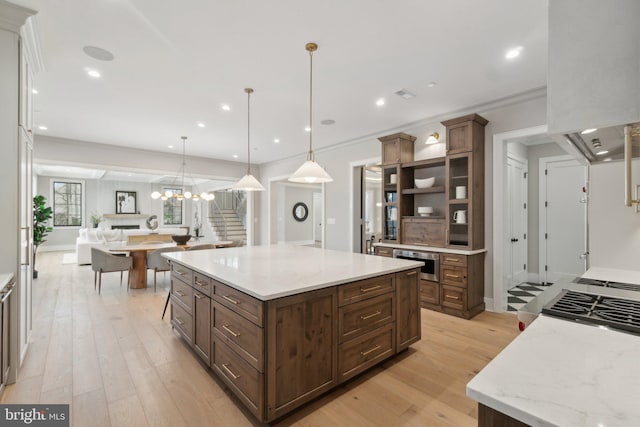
point(117, 363)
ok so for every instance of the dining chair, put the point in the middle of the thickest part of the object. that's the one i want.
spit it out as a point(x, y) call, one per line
point(156, 262)
point(236, 243)
point(105, 262)
point(200, 247)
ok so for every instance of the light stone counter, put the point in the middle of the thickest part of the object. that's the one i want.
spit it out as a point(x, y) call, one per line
point(5, 279)
point(269, 272)
point(430, 249)
point(613, 275)
point(562, 373)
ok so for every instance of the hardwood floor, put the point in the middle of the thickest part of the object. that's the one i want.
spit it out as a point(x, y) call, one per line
point(118, 364)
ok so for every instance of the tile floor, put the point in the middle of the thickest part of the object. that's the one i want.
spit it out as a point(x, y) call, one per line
point(522, 294)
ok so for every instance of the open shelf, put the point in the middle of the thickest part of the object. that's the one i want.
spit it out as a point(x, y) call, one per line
point(439, 189)
point(458, 201)
point(424, 217)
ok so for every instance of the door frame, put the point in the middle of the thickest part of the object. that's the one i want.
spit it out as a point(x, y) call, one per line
point(357, 191)
point(542, 217)
point(525, 163)
point(499, 301)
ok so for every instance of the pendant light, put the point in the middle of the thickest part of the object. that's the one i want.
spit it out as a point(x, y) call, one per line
point(182, 192)
point(248, 182)
point(310, 172)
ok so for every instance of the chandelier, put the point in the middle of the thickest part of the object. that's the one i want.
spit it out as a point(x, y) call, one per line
point(310, 171)
point(182, 193)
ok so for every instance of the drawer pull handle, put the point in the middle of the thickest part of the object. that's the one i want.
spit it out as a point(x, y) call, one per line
point(180, 293)
point(233, 375)
point(452, 297)
point(199, 296)
point(180, 272)
point(180, 321)
point(203, 284)
point(411, 273)
point(226, 328)
point(373, 288)
point(369, 316)
point(231, 300)
point(365, 353)
point(453, 260)
point(453, 276)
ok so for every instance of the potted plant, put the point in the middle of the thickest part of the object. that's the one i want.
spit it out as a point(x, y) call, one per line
point(96, 219)
point(41, 215)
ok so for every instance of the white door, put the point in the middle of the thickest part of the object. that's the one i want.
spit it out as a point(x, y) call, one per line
point(516, 262)
point(317, 217)
point(563, 218)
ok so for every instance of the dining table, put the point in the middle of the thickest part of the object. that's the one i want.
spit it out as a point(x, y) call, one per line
point(138, 253)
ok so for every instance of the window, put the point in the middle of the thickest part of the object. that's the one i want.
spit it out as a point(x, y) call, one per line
point(172, 208)
point(67, 204)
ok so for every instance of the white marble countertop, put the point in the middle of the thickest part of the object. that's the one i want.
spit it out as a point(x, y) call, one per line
point(563, 373)
point(5, 279)
point(430, 249)
point(269, 272)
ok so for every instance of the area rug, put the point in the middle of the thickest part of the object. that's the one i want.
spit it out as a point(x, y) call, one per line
point(69, 258)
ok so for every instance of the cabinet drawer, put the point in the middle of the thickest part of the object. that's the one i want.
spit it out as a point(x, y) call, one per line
point(364, 316)
point(384, 251)
point(182, 320)
point(453, 297)
point(456, 276)
point(248, 307)
point(182, 292)
point(246, 382)
point(181, 272)
point(363, 352)
point(244, 337)
point(451, 259)
point(430, 291)
point(364, 289)
point(202, 284)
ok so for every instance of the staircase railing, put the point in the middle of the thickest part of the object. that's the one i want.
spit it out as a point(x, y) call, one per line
point(220, 218)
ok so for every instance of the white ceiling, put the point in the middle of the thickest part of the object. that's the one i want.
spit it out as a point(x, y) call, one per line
point(177, 62)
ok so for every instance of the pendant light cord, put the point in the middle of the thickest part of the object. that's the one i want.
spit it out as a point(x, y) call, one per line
point(310, 155)
point(184, 161)
point(248, 130)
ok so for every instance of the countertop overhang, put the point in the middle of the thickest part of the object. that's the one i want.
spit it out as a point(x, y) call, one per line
point(562, 373)
point(275, 271)
point(426, 248)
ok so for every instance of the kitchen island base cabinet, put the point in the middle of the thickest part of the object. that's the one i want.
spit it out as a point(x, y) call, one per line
point(278, 354)
point(489, 417)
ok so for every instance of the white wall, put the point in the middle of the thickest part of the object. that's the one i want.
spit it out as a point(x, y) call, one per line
point(614, 228)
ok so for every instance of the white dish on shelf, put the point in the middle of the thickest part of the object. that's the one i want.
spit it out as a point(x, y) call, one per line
point(425, 210)
point(425, 183)
point(424, 214)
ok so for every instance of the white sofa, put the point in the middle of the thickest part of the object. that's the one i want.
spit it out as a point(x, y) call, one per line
point(98, 237)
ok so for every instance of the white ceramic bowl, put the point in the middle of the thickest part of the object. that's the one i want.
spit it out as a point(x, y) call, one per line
point(425, 183)
point(425, 210)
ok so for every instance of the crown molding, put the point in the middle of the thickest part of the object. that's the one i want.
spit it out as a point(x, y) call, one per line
point(31, 44)
point(12, 16)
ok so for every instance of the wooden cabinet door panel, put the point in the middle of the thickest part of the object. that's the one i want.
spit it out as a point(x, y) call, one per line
point(384, 251)
point(202, 284)
point(243, 336)
point(459, 138)
point(302, 349)
point(423, 231)
point(202, 325)
point(430, 291)
point(356, 319)
point(408, 309)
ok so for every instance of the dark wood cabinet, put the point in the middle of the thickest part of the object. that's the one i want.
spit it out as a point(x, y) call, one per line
point(462, 284)
point(423, 231)
point(202, 326)
point(465, 134)
point(397, 148)
point(383, 251)
point(408, 328)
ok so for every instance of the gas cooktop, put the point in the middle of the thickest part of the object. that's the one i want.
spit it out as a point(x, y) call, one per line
point(615, 312)
point(607, 284)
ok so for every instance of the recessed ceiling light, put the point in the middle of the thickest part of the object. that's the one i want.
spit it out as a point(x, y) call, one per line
point(276, 140)
point(600, 153)
point(129, 174)
point(328, 122)
point(170, 146)
point(98, 53)
point(200, 124)
point(42, 127)
point(235, 156)
point(588, 131)
point(35, 91)
point(513, 53)
point(307, 129)
point(225, 107)
point(608, 159)
point(380, 102)
point(432, 84)
point(93, 73)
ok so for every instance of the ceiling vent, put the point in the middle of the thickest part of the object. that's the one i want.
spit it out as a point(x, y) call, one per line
point(404, 94)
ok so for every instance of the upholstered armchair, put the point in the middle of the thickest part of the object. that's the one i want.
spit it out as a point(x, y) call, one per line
point(106, 262)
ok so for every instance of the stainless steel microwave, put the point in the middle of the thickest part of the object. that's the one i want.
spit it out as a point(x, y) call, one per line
point(430, 260)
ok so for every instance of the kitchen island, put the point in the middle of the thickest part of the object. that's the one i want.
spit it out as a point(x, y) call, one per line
point(561, 373)
point(281, 325)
